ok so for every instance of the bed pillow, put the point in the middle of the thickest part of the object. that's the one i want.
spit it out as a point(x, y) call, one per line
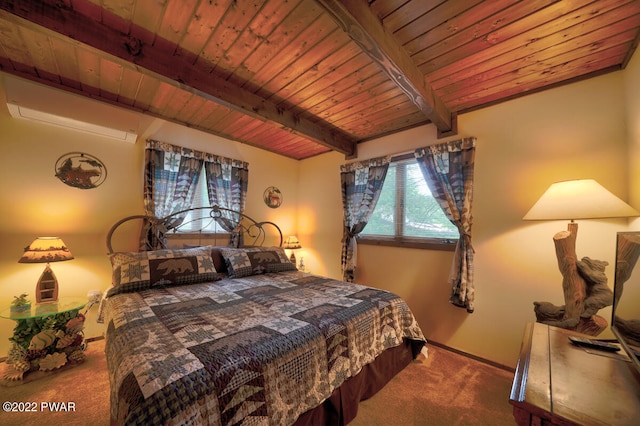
point(242, 262)
point(216, 255)
point(141, 270)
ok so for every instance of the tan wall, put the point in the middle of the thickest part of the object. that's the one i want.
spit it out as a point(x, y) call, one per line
point(523, 146)
point(35, 203)
point(631, 77)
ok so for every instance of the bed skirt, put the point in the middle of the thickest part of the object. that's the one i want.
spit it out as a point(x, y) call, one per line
point(342, 406)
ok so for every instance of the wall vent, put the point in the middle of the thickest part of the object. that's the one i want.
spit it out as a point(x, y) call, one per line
point(36, 102)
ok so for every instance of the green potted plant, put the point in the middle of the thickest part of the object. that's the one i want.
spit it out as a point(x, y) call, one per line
point(20, 304)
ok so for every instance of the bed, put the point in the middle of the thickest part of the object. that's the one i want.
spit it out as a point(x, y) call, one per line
point(211, 334)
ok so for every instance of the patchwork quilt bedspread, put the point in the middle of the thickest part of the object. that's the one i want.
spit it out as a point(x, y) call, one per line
point(262, 349)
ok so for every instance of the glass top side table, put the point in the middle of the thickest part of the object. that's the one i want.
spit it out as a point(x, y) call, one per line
point(63, 304)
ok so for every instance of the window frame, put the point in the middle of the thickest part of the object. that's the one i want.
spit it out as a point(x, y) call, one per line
point(424, 243)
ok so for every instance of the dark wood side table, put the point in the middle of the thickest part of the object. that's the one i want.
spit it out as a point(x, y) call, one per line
point(559, 383)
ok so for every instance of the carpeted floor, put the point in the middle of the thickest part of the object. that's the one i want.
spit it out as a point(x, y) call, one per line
point(85, 385)
point(444, 389)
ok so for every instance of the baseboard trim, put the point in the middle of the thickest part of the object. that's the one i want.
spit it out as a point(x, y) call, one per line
point(468, 355)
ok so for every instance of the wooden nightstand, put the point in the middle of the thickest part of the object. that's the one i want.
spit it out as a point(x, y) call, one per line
point(558, 383)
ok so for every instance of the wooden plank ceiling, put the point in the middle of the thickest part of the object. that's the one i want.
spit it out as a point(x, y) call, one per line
point(303, 77)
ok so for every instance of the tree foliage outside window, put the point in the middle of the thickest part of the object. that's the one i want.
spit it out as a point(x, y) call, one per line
point(406, 210)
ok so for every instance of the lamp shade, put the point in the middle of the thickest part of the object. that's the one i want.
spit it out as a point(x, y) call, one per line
point(292, 243)
point(579, 199)
point(45, 250)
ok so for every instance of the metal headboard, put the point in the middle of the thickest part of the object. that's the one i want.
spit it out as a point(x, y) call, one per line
point(252, 231)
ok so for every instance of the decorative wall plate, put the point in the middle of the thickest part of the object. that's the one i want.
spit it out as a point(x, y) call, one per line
point(272, 197)
point(81, 170)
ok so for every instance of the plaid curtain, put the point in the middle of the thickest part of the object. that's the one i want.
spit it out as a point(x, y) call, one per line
point(171, 175)
point(227, 183)
point(448, 170)
point(361, 185)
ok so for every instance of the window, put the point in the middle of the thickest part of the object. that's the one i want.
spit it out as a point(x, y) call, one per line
point(406, 214)
point(199, 220)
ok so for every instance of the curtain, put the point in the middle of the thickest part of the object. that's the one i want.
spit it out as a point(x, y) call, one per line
point(448, 170)
point(361, 185)
point(227, 183)
point(171, 175)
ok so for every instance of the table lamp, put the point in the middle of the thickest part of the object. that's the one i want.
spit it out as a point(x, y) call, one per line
point(578, 199)
point(46, 250)
point(292, 243)
point(571, 200)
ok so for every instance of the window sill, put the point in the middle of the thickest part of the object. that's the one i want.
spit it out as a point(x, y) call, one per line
point(422, 243)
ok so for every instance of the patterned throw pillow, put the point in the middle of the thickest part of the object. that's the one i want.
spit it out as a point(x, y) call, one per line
point(141, 270)
point(218, 260)
point(242, 262)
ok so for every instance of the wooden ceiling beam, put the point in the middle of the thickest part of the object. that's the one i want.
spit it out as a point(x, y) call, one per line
point(174, 70)
point(363, 26)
